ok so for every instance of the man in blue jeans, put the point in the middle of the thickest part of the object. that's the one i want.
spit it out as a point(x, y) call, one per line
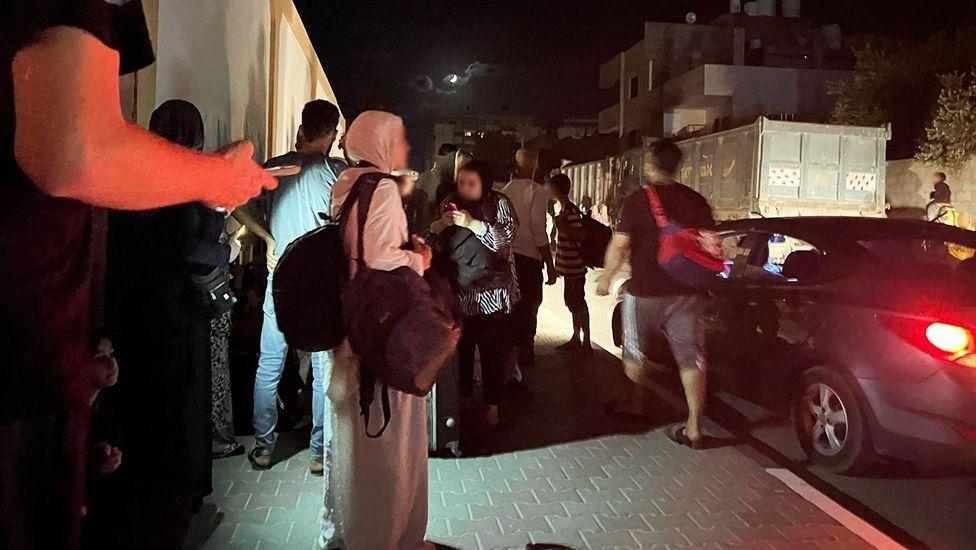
point(294, 210)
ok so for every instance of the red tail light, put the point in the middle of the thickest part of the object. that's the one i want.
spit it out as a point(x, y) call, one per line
point(949, 338)
point(942, 340)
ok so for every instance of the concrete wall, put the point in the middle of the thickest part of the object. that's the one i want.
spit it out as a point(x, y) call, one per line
point(248, 65)
point(908, 184)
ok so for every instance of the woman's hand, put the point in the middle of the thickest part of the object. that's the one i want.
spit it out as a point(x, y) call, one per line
point(446, 221)
point(463, 218)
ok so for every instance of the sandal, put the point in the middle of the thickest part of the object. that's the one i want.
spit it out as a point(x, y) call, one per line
point(679, 436)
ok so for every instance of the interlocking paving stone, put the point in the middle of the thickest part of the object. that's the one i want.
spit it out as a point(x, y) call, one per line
point(503, 542)
point(554, 509)
point(520, 525)
point(619, 540)
point(485, 525)
point(494, 511)
point(623, 490)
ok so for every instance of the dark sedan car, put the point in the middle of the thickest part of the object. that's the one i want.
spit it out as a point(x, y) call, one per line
point(862, 327)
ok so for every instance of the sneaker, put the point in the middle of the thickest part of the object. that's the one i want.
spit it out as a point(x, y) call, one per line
point(259, 460)
point(316, 467)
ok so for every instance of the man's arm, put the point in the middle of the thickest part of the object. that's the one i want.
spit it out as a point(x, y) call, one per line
point(246, 216)
point(72, 140)
point(614, 260)
point(537, 225)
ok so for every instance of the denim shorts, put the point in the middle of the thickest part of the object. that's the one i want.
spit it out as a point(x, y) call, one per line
point(678, 318)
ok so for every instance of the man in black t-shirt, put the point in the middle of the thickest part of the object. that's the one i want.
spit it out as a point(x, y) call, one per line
point(64, 146)
point(655, 302)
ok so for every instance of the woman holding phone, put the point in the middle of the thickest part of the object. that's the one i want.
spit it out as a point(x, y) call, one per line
point(479, 225)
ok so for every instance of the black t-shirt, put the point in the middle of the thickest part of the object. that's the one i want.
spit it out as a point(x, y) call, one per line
point(45, 242)
point(685, 207)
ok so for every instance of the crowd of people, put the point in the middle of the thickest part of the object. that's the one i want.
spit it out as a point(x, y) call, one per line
point(117, 397)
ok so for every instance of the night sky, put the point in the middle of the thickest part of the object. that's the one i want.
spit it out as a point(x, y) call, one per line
point(530, 57)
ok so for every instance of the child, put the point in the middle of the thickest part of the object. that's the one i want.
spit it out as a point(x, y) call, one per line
point(569, 263)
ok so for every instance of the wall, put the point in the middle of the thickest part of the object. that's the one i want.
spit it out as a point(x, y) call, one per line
point(908, 184)
point(248, 65)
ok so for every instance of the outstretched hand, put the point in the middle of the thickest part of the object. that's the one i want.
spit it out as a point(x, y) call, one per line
point(242, 179)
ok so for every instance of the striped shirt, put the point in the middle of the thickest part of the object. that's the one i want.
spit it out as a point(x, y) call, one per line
point(569, 242)
point(498, 237)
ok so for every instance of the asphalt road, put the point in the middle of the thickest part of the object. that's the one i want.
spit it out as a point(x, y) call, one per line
point(915, 507)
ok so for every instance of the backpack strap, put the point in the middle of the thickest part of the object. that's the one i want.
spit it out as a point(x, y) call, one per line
point(361, 196)
point(366, 403)
point(660, 217)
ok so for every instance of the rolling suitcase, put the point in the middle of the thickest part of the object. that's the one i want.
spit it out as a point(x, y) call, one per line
point(444, 413)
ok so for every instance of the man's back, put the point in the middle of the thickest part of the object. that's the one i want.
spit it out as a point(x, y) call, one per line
point(297, 205)
point(681, 204)
point(530, 201)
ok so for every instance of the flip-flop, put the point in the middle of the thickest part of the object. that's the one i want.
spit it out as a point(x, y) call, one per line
point(679, 436)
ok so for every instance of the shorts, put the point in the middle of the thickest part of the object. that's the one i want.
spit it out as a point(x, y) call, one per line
point(574, 293)
point(679, 318)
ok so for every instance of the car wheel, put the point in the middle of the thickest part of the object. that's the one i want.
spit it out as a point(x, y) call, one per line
point(831, 422)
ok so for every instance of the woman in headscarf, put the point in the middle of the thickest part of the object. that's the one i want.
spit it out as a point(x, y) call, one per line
point(158, 414)
point(474, 208)
point(379, 486)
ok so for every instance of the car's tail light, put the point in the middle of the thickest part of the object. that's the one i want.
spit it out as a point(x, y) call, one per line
point(945, 341)
point(949, 338)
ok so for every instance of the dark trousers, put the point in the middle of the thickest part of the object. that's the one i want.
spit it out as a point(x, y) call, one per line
point(526, 311)
point(491, 336)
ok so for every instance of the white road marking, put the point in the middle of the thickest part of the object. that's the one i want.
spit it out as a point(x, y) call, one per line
point(842, 515)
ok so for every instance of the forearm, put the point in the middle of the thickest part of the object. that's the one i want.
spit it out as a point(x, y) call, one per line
point(73, 142)
point(613, 260)
point(120, 168)
point(247, 218)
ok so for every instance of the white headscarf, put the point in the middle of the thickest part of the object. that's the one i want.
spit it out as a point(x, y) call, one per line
point(371, 138)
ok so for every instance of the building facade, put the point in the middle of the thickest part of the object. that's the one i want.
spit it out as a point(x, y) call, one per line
point(249, 66)
point(686, 79)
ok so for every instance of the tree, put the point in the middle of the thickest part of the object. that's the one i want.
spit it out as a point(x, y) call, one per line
point(950, 137)
point(897, 81)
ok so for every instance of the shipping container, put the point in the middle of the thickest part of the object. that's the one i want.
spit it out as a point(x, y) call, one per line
point(777, 169)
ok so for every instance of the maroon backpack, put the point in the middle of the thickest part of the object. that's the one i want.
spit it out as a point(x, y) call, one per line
point(403, 331)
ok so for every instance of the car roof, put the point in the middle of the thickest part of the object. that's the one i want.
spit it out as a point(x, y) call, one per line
point(839, 228)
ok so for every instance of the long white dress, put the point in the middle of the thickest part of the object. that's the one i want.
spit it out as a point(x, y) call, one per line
point(380, 485)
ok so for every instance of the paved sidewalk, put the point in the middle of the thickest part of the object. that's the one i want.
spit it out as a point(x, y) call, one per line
point(564, 473)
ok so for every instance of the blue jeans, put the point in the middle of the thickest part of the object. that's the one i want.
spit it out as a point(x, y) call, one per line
point(274, 349)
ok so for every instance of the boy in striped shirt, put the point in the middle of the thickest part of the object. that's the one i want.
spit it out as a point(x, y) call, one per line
point(569, 262)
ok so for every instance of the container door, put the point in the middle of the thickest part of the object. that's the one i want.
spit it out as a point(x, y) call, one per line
point(822, 167)
point(859, 162)
point(782, 156)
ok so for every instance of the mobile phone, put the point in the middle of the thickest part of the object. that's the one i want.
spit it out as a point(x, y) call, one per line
point(282, 171)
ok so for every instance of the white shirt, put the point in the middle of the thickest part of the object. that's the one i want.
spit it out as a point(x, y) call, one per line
point(531, 203)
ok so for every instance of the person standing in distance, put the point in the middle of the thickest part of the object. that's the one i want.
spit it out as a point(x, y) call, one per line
point(531, 202)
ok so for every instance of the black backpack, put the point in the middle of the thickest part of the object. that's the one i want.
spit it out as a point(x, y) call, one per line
point(467, 262)
point(596, 239)
point(308, 284)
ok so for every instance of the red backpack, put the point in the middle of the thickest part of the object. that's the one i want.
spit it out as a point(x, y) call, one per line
point(684, 254)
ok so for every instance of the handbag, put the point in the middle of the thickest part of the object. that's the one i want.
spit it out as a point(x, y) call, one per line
point(214, 292)
point(682, 252)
